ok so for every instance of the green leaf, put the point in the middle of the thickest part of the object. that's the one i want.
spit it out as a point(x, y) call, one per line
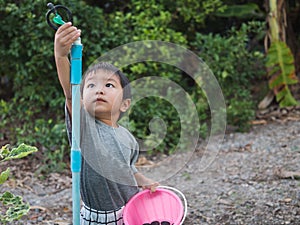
point(4, 175)
point(4, 151)
point(281, 70)
point(17, 153)
point(249, 10)
point(16, 211)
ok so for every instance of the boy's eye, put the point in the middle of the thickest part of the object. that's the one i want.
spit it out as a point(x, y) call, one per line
point(109, 85)
point(90, 85)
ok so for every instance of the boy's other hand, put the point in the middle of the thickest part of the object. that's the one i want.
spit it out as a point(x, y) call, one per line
point(152, 186)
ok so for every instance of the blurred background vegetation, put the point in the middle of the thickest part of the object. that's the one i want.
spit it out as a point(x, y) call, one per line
point(229, 35)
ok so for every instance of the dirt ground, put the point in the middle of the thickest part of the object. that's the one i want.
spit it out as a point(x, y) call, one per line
point(254, 179)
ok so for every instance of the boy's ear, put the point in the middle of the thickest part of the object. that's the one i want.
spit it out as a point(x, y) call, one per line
point(125, 105)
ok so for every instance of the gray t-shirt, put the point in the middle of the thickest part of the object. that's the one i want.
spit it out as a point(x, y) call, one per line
point(108, 157)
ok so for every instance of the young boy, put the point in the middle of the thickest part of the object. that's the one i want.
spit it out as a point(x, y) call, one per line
point(109, 151)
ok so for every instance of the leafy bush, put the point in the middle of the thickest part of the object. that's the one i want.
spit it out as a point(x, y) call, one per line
point(36, 106)
point(37, 93)
point(163, 110)
point(16, 207)
point(235, 67)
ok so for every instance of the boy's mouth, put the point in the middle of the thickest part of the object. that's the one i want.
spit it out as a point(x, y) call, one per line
point(100, 100)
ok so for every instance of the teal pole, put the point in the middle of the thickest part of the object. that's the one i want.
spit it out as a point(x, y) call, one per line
point(76, 71)
point(75, 77)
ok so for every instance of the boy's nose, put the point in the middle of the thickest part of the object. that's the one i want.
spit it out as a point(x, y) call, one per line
point(100, 90)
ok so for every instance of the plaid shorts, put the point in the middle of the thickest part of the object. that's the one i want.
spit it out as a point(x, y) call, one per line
point(89, 216)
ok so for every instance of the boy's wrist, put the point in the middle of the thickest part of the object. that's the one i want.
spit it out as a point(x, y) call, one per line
point(57, 56)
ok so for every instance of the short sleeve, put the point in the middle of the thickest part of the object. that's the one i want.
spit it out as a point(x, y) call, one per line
point(68, 124)
point(134, 158)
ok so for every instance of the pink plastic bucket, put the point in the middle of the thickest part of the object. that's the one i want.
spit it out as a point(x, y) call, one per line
point(162, 205)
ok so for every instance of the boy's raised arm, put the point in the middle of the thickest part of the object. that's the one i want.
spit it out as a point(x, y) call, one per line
point(64, 37)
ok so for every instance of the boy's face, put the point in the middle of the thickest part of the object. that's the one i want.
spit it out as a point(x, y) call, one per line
point(103, 96)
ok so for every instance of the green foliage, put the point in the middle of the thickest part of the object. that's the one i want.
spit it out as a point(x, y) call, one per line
point(161, 112)
point(235, 68)
point(36, 108)
point(37, 92)
point(281, 72)
point(16, 153)
point(4, 175)
point(29, 67)
point(182, 16)
point(197, 11)
point(51, 136)
point(151, 24)
point(16, 207)
point(280, 61)
point(157, 108)
point(248, 10)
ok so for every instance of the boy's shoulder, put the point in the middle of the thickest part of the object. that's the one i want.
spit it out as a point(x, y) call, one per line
point(126, 136)
point(125, 131)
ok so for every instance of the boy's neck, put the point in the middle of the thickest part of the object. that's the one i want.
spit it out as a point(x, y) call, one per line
point(110, 123)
